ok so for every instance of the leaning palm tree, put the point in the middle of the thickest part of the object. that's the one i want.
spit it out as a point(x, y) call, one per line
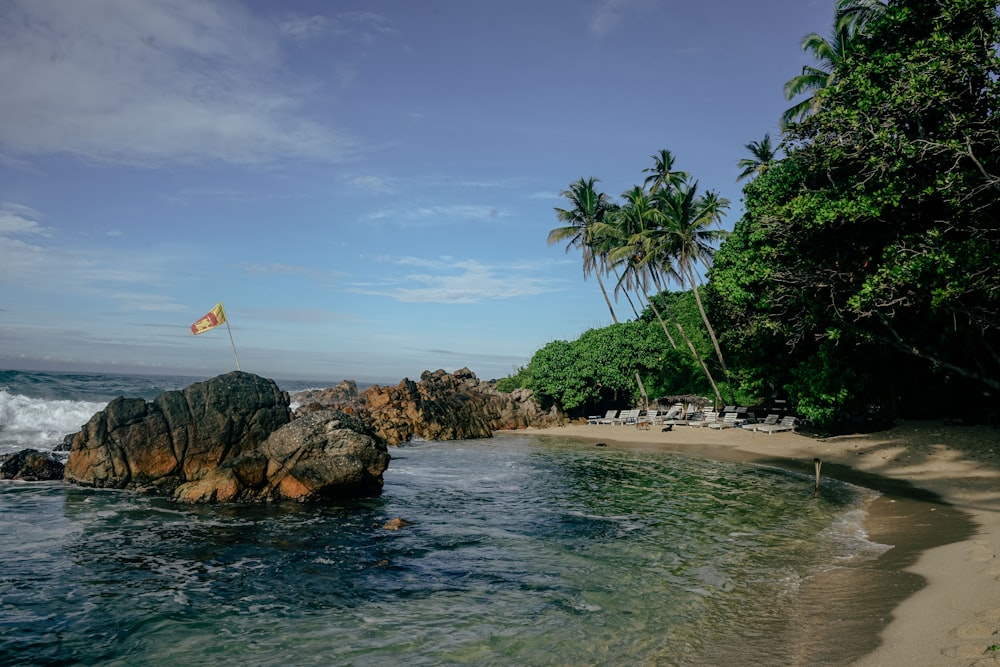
point(688, 239)
point(764, 155)
point(856, 14)
point(636, 228)
point(588, 208)
point(851, 19)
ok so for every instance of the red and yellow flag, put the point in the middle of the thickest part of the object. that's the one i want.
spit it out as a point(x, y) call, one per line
point(214, 318)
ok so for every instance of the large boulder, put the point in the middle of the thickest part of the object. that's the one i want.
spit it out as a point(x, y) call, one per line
point(31, 465)
point(179, 436)
point(441, 406)
point(325, 454)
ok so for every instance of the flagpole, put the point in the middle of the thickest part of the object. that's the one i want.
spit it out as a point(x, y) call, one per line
point(233, 343)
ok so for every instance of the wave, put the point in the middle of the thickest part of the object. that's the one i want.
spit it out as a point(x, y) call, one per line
point(41, 423)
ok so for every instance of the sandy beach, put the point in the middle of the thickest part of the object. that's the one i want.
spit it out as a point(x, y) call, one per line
point(949, 612)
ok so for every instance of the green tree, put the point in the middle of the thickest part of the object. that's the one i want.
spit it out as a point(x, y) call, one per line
point(850, 23)
point(588, 208)
point(876, 240)
point(762, 155)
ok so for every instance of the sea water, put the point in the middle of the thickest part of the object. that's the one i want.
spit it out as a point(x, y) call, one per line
point(516, 550)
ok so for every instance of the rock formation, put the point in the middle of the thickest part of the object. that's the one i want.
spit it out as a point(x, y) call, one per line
point(441, 406)
point(31, 465)
point(325, 454)
point(226, 439)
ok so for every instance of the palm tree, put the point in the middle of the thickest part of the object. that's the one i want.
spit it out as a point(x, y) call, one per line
point(687, 239)
point(764, 155)
point(636, 227)
point(662, 174)
point(589, 208)
point(850, 21)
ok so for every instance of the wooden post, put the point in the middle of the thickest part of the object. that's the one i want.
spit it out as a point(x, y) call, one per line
point(818, 464)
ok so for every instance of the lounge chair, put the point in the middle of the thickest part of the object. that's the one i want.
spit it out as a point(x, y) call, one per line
point(728, 421)
point(710, 417)
point(650, 417)
point(786, 424)
point(608, 418)
point(671, 415)
point(628, 417)
point(769, 420)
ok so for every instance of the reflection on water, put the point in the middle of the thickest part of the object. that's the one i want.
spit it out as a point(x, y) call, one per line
point(520, 552)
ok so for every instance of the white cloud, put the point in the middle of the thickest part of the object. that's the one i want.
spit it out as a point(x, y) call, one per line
point(454, 281)
point(438, 214)
point(304, 28)
point(16, 219)
point(148, 302)
point(159, 81)
point(608, 14)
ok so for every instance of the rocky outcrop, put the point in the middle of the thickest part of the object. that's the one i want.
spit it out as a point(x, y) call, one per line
point(345, 392)
point(325, 454)
point(228, 439)
point(31, 465)
point(179, 436)
point(441, 406)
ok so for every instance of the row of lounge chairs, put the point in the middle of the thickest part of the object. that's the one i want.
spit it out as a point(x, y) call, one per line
point(729, 417)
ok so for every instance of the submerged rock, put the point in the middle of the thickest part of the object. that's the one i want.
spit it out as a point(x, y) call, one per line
point(31, 465)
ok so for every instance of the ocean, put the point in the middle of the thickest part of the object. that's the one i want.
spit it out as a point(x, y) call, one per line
point(519, 550)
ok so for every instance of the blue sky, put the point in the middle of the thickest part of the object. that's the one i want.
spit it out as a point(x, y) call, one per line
point(367, 186)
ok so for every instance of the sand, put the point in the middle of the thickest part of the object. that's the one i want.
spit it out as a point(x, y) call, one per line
point(950, 612)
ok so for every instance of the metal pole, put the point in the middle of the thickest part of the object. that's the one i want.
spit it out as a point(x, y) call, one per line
point(233, 343)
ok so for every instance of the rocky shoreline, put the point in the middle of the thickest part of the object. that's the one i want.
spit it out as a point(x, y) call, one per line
point(234, 438)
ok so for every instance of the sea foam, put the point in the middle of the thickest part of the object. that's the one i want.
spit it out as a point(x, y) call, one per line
point(40, 423)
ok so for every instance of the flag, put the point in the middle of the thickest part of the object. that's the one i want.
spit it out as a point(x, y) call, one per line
point(214, 318)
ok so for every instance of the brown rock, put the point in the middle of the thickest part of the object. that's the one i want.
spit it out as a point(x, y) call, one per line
point(178, 437)
point(325, 454)
point(31, 465)
point(444, 406)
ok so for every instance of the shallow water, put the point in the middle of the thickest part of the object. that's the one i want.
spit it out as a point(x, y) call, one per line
point(521, 551)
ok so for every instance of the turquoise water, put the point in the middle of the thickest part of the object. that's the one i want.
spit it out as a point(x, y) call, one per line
point(519, 551)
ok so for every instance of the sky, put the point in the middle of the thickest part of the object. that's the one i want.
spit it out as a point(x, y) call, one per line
point(367, 186)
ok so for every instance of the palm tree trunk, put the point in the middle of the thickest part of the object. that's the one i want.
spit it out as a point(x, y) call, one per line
point(711, 333)
point(638, 380)
point(663, 324)
point(704, 366)
point(606, 299)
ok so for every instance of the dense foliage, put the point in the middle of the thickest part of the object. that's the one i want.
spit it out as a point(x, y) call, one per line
point(598, 370)
point(871, 252)
point(863, 277)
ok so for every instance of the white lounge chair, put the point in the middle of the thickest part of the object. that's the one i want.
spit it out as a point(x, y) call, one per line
point(769, 420)
point(628, 417)
point(728, 421)
point(608, 418)
point(709, 417)
point(651, 417)
point(786, 424)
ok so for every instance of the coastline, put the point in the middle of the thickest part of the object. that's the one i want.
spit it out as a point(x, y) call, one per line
point(945, 607)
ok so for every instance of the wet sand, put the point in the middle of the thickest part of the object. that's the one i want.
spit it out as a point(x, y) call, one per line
point(934, 598)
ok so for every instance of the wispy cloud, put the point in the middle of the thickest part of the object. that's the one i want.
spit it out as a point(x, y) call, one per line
point(17, 219)
point(437, 214)
point(147, 83)
point(607, 15)
point(304, 28)
point(455, 281)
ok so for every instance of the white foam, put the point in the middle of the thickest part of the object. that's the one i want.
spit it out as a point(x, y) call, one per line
point(40, 423)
